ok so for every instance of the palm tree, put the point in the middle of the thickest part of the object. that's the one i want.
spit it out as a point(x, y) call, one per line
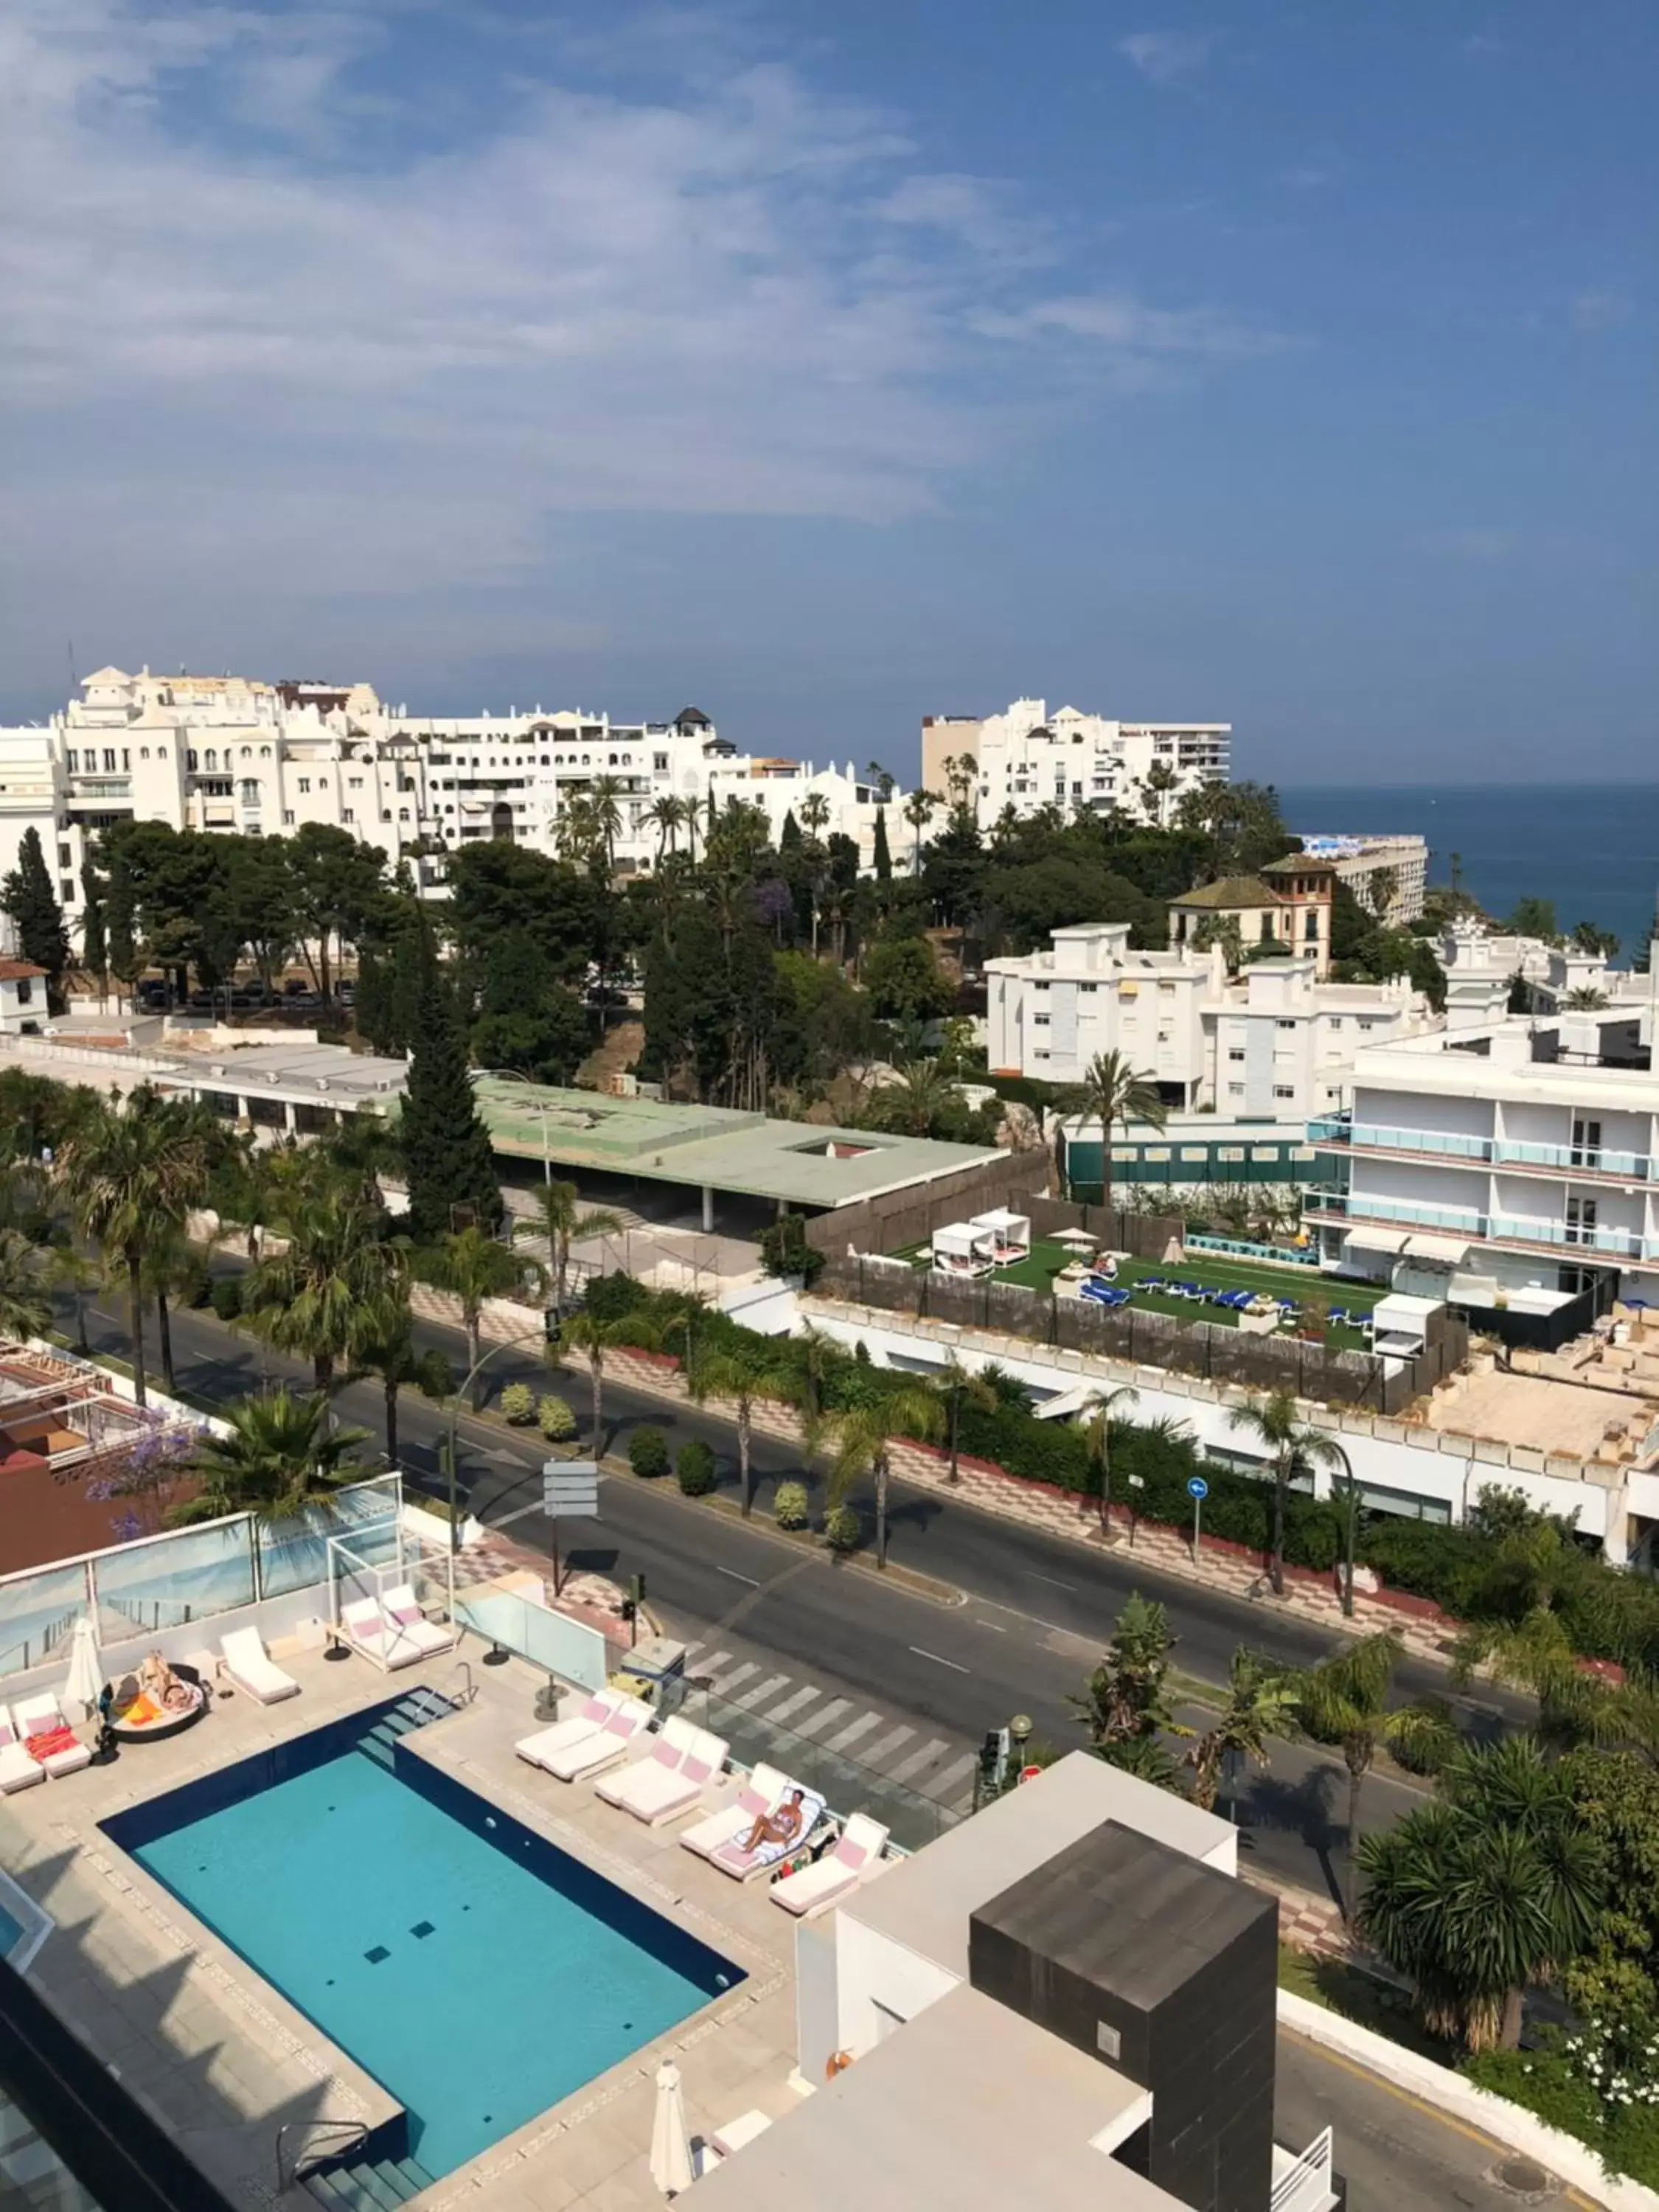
point(558, 1219)
point(818, 1356)
point(1157, 785)
point(387, 1348)
point(171, 1269)
point(919, 810)
point(1586, 998)
point(25, 1301)
point(814, 813)
point(664, 817)
point(1124, 1706)
point(742, 1374)
point(914, 1102)
point(472, 1266)
point(604, 803)
point(955, 1385)
point(592, 1339)
point(1096, 1414)
point(1345, 1700)
point(282, 1458)
point(864, 1441)
point(1115, 1094)
point(1260, 1703)
point(1275, 1420)
point(130, 1171)
point(319, 1296)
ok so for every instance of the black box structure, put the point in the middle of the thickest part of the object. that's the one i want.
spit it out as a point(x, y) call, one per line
point(1166, 1970)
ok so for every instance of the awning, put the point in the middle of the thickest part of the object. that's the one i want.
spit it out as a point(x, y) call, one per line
point(1450, 1250)
point(1377, 1240)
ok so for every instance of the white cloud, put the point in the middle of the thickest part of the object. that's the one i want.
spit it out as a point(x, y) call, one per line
point(1168, 57)
point(1601, 311)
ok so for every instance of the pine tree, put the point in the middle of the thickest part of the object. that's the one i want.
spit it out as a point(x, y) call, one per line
point(445, 1146)
point(883, 859)
point(28, 898)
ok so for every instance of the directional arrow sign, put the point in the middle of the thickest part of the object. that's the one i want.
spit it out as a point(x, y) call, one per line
point(570, 1488)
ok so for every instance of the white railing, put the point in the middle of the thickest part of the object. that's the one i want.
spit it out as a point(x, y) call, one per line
point(1306, 2183)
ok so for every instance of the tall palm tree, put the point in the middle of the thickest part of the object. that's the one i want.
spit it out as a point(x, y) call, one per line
point(472, 1266)
point(959, 1386)
point(1294, 1446)
point(1096, 1413)
point(913, 1104)
point(919, 810)
point(1115, 1094)
point(1261, 1704)
point(281, 1459)
point(864, 1441)
point(1345, 1700)
point(665, 816)
point(818, 1357)
point(605, 799)
point(130, 1171)
point(742, 1374)
point(559, 1219)
point(591, 1339)
point(387, 1348)
point(171, 1270)
point(25, 1300)
point(318, 1297)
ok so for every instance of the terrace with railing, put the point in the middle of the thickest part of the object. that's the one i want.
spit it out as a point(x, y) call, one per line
point(1574, 1160)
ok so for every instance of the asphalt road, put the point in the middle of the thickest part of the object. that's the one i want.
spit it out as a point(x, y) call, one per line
point(1037, 1610)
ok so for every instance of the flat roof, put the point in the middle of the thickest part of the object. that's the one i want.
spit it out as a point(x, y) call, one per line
point(968, 2104)
point(927, 1902)
point(803, 1163)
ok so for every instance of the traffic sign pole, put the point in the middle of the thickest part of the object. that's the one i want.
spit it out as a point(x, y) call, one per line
point(1197, 1490)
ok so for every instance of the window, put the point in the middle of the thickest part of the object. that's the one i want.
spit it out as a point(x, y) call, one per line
point(659, 763)
point(305, 783)
point(66, 891)
point(143, 752)
point(1336, 1024)
point(247, 752)
point(212, 757)
point(288, 818)
point(1282, 1025)
point(265, 752)
point(126, 759)
point(25, 990)
point(1040, 1021)
point(1368, 1025)
point(65, 858)
point(1310, 927)
point(1235, 1052)
point(109, 759)
point(1234, 1091)
point(250, 791)
point(1284, 1091)
point(1088, 987)
point(190, 761)
point(356, 783)
point(73, 759)
point(346, 815)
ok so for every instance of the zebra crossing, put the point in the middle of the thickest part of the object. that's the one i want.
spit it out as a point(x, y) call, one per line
point(932, 1766)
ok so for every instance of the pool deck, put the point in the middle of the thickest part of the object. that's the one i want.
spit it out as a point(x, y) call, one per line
point(224, 2062)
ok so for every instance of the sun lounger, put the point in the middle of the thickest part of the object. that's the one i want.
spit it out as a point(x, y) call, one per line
point(607, 1745)
point(406, 1624)
point(743, 1865)
point(17, 1770)
point(44, 1718)
point(587, 1720)
point(684, 1760)
point(365, 1627)
point(251, 1667)
point(819, 1886)
point(762, 1791)
point(666, 1752)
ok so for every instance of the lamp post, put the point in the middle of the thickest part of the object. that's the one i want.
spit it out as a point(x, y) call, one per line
point(448, 1448)
point(1350, 1536)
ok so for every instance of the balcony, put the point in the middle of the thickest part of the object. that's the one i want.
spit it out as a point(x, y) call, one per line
point(1489, 1152)
point(1337, 1206)
point(99, 788)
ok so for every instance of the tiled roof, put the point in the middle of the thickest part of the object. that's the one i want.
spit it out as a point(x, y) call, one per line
point(14, 972)
point(1232, 893)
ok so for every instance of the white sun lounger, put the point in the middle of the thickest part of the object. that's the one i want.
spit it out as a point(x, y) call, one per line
point(407, 1624)
point(762, 1791)
point(664, 1754)
point(17, 1770)
point(587, 1720)
point(744, 1865)
point(34, 1716)
point(821, 1885)
point(366, 1628)
point(607, 1746)
point(251, 1667)
point(671, 1782)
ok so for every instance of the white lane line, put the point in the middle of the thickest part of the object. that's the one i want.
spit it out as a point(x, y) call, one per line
point(918, 1759)
point(725, 1684)
point(995, 1627)
point(707, 1664)
point(769, 1688)
point(834, 1711)
point(938, 1661)
point(1050, 1580)
point(874, 1753)
point(780, 1713)
point(862, 1726)
point(518, 1513)
point(732, 1574)
point(952, 1777)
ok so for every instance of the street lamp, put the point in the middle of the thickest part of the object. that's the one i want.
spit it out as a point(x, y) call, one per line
point(516, 1075)
point(450, 1448)
point(1351, 1529)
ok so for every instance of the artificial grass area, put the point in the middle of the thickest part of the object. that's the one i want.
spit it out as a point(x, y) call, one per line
point(1045, 1258)
point(1360, 1996)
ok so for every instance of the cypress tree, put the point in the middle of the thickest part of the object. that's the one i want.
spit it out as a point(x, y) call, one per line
point(95, 939)
point(29, 898)
point(789, 836)
point(445, 1146)
point(883, 859)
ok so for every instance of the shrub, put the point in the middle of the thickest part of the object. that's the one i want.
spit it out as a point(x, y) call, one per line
point(784, 1250)
point(226, 1296)
point(611, 1297)
point(694, 1469)
point(434, 1374)
point(648, 1452)
point(556, 1420)
point(789, 1506)
point(842, 1530)
point(517, 1404)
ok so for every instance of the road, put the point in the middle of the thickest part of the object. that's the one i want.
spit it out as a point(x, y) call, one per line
point(840, 1654)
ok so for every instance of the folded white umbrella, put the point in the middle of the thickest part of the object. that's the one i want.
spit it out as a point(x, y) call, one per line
point(671, 2147)
point(86, 1672)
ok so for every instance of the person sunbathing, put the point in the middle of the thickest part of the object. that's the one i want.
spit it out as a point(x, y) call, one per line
point(781, 1826)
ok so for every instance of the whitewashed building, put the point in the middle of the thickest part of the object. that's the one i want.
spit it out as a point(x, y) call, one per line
point(1369, 865)
point(1026, 758)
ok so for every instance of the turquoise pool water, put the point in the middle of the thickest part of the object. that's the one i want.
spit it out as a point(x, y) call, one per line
point(477, 1972)
point(10, 1929)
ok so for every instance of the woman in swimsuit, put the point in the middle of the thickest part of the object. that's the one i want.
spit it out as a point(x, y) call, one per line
point(781, 1827)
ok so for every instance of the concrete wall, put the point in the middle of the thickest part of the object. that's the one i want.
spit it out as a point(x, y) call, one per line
point(909, 1217)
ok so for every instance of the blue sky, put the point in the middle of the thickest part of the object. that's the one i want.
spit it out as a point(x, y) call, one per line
point(829, 367)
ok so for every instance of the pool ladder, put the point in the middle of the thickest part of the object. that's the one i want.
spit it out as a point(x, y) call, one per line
point(355, 2131)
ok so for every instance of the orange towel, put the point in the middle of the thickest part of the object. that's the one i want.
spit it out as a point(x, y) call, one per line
point(140, 1713)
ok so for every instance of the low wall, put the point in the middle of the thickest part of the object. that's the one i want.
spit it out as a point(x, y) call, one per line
point(1512, 2125)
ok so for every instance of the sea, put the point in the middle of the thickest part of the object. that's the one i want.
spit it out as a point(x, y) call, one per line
point(1591, 850)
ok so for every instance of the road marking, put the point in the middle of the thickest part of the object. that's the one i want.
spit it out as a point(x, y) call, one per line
point(918, 1759)
point(957, 1773)
point(737, 1577)
point(1050, 1580)
point(886, 1745)
point(707, 1666)
point(725, 1684)
point(938, 1661)
point(862, 1726)
point(995, 1627)
point(750, 1698)
point(833, 1712)
point(518, 1513)
point(779, 1713)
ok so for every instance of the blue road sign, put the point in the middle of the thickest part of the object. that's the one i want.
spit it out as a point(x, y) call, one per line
point(1197, 1487)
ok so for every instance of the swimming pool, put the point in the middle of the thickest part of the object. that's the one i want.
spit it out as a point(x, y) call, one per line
point(476, 1971)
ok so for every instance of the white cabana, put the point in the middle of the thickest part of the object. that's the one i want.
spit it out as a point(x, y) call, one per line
point(1012, 1232)
point(962, 1248)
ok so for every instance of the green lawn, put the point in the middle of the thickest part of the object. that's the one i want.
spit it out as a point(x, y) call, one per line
point(1216, 1272)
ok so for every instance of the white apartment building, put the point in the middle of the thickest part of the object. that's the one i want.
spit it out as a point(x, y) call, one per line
point(1358, 860)
point(1497, 1158)
point(1274, 1045)
point(1027, 759)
